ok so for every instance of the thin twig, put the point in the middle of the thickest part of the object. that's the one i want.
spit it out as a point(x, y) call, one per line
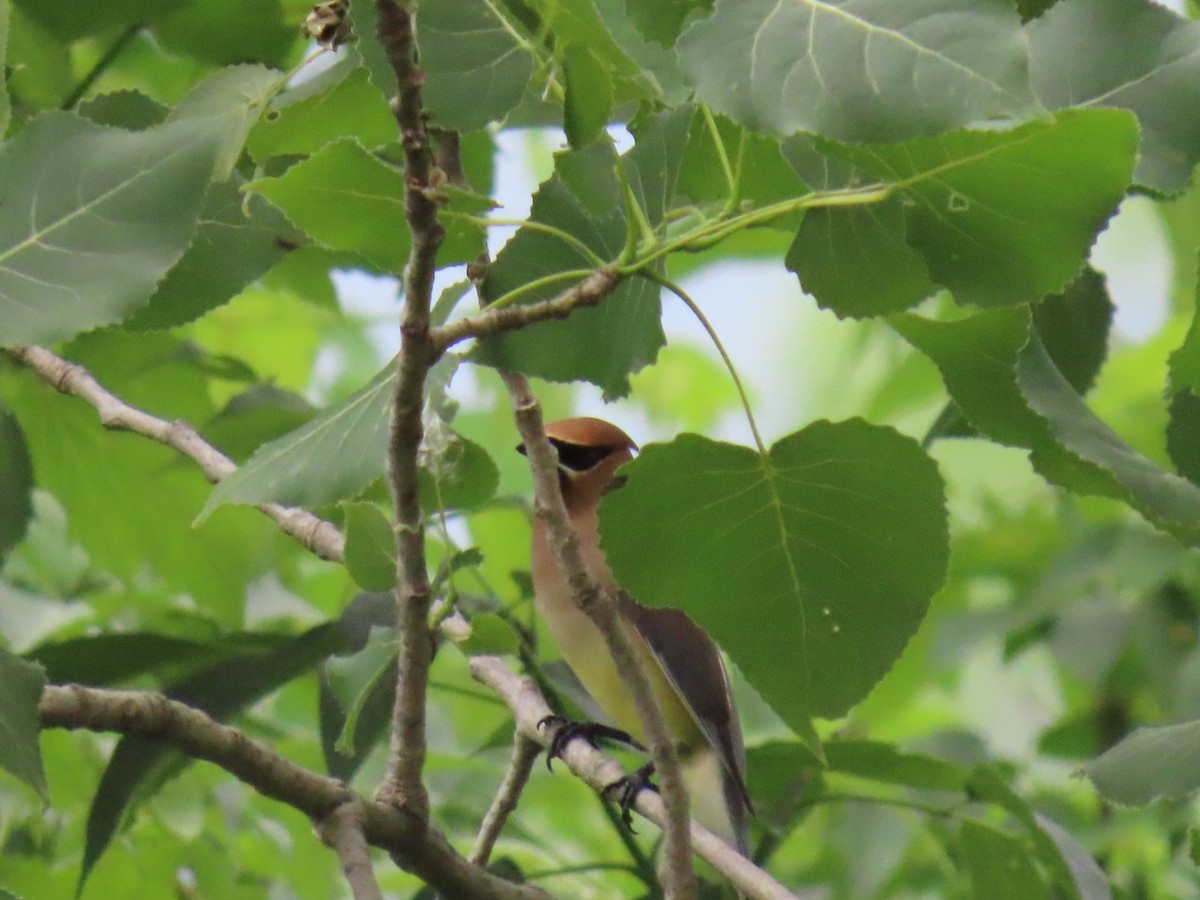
point(420, 848)
point(679, 878)
point(525, 752)
point(316, 534)
point(601, 771)
point(402, 784)
point(344, 830)
point(588, 292)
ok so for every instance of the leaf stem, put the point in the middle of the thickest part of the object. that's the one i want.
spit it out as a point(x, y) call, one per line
point(541, 227)
point(639, 227)
point(530, 286)
point(731, 178)
point(712, 334)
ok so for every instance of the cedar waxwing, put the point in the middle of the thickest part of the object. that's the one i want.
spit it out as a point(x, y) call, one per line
point(683, 665)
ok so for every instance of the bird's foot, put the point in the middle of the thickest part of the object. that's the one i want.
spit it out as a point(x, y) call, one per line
point(591, 732)
point(626, 790)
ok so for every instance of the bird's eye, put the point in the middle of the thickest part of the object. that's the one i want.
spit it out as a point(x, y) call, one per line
point(579, 458)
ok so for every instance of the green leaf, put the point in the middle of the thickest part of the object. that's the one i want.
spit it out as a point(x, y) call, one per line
point(589, 96)
point(476, 69)
point(766, 176)
point(1073, 327)
point(1131, 54)
point(257, 415)
point(876, 70)
point(105, 659)
point(112, 477)
point(70, 21)
point(239, 238)
point(1152, 763)
point(21, 685)
point(352, 679)
point(16, 483)
point(1000, 864)
point(127, 109)
point(663, 20)
point(339, 102)
point(5, 102)
point(1046, 840)
point(825, 552)
point(331, 458)
point(857, 262)
point(230, 31)
point(1183, 435)
point(370, 547)
point(1009, 389)
point(656, 66)
point(997, 217)
point(1090, 881)
point(346, 199)
point(229, 102)
point(1185, 361)
point(139, 766)
point(887, 763)
point(490, 635)
point(87, 247)
point(606, 343)
point(463, 476)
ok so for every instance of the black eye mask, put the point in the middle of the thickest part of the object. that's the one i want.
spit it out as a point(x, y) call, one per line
point(577, 457)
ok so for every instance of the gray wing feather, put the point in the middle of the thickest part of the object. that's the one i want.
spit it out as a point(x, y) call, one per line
point(693, 665)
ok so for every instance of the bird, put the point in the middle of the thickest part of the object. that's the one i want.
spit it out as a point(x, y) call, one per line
point(683, 665)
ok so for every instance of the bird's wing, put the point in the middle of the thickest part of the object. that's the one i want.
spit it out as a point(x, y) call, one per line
point(693, 665)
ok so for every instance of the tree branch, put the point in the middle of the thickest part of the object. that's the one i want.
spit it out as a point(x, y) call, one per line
point(343, 830)
point(679, 878)
point(411, 841)
point(600, 771)
point(313, 532)
point(494, 320)
point(525, 752)
point(402, 786)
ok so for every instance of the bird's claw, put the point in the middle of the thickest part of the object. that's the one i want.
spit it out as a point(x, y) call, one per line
point(566, 731)
point(626, 790)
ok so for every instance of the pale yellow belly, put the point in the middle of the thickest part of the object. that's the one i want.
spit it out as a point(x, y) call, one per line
point(585, 651)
